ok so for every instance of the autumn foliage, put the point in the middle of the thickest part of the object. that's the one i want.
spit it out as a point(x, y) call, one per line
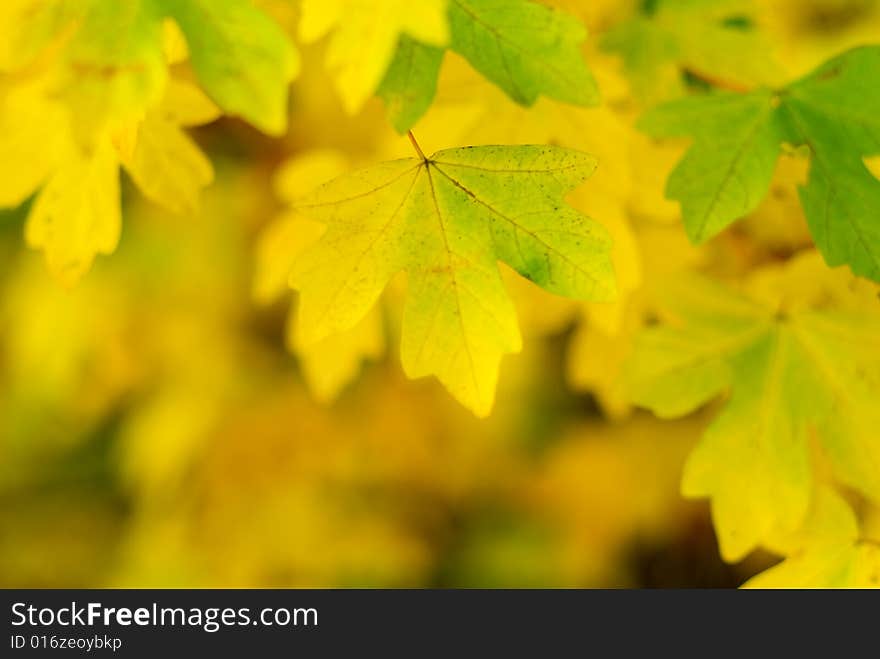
point(440, 292)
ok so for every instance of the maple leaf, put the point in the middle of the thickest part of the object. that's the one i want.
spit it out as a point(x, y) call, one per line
point(446, 220)
point(471, 110)
point(365, 36)
point(792, 371)
point(834, 112)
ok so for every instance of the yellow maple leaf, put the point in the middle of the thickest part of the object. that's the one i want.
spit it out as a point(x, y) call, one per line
point(165, 163)
point(447, 221)
point(470, 110)
point(28, 28)
point(29, 118)
point(76, 215)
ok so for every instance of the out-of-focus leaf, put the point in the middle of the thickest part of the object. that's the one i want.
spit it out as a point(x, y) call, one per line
point(164, 162)
point(545, 59)
point(242, 58)
point(410, 82)
point(826, 553)
point(76, 215)
point(790, 369)
point(716, 40)
point(365, 36)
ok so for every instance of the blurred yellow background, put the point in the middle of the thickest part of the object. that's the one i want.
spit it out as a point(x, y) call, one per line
point(159, 427)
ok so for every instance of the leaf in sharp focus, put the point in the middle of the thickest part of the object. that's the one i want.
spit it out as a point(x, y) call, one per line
point(481, 113)
point(410, 82)
point(447, 221)
point(729, 168)
point(525, 48)
point(76, 215)
point(242, 58)
point(366, 34)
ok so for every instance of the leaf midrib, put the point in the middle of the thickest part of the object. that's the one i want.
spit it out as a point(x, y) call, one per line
point(454, 281)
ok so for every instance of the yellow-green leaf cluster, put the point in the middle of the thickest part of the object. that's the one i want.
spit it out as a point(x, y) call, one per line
point(797, 367)
point(99, 84)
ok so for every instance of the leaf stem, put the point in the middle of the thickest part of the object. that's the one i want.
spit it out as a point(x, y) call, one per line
point(412, 138)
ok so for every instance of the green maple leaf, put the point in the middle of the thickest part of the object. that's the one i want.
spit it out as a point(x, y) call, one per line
point(525, 48)
point(447, 220)
point(410, 83)
point(834, 112)
point(791, 376)
point(242, 58)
